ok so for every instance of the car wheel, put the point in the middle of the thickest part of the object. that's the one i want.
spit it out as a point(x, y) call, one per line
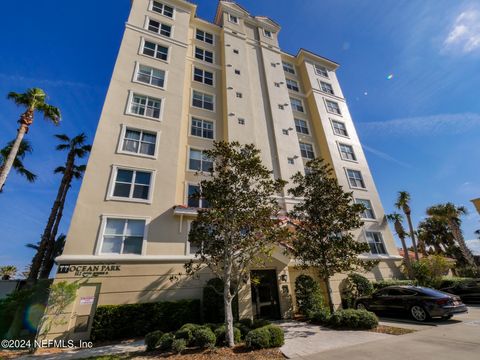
point(419, 313)
point(361, 306)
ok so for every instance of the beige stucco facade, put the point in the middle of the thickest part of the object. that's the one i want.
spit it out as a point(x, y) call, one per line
point(129, 236)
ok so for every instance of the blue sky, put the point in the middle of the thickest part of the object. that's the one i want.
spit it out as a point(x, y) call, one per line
point(420, 129)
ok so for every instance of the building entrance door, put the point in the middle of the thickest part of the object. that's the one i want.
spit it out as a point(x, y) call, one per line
point(265, 301)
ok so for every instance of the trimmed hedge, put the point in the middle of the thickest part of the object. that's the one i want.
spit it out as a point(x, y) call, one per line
point(377, 285)
point(265, 337)
point(450, 282)
point(178, 345)
point(115, 322)
point(152, 340)
point(258, 323)
point(166, 342)
point(220, 333)
point(204, 338)
point(351, 319)
point(213, 305)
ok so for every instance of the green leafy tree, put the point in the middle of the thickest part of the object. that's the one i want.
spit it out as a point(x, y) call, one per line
point(435, 233)
point(403, 203)
point(77, 149)
point(241, 225)
point(452, 215)
point(24, 149)
point(397, 219)
point(34, 101)
point(308, 295)
point(323, 222)
point(428, 271)
point(7, 272)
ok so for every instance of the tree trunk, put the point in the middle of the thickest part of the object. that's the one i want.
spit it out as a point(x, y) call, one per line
point(39, 256)
point(406, 257)
point(227, 299)
point(457, 234)
point(49, 256)
point(12, 155)
point(329, 295)
point(412, 235)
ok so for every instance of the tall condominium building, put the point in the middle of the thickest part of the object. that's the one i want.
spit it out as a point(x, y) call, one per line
point(179, 84)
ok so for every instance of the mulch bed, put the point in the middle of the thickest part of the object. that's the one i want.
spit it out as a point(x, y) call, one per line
point(239, 353)
point(391, 330)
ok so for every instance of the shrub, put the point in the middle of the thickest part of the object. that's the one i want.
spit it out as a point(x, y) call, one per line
point(277, 337)
point(429, 271)
point(308, 294)
point(354, 286)
point(246, 322)
point(113, 322)
point(204, 337)
point(243, 329)
point(391, 282)
point(185, 334)
point(178, 345)
point(468, 271)
point(166, 341)
point(351, 319)
point(258, 338)
point(152, 340)
point(213, 305)
point(220, 334)
point(258, 323)
point(320, 317)
point(454, 281)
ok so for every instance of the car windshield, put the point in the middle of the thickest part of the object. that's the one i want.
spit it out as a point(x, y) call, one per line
point(431, 292)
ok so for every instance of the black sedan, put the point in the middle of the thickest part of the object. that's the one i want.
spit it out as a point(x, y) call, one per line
point(469, 290)
point(421, 303)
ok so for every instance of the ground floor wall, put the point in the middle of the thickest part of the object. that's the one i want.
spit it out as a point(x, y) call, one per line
point(127, 283)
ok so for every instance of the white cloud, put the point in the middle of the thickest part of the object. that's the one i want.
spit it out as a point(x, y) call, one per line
point(424, 125)
point(464, 36)
point(474, 245)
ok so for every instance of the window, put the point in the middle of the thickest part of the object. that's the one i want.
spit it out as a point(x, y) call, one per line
point(123, 236)
point(139, 142)
point(204, 36)
point(159, 28)
point(198, 161)
point(355, 179)
point(237, 72)
point(239, 95)
point(241, 121)
point(203, 76)
point(267, 33)
point(307, 151)
point(339, 128)
point(235, 51)
point(194, 200)
point(297, 105)
point(202, 100)
point(346, 151)
point(292, 85)
point(375, 241)
point(145, 106)
point(163, 9)
point(155, 50)
point(150, 76)
point(333, 107)
point(368, 212)
point(202, 128)
point(326, 87)
point(289, 68)
point(301, 126)
point(132, 184)
point(233, 18)
point(204, 55)
point(321, 70)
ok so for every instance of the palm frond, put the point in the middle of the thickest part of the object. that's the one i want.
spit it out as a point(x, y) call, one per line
point(62, 147)
point(62, 137)
point(59, 170)
point(50, 113)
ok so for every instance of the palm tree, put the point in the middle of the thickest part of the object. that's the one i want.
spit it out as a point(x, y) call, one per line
point(435, 233)
point(24, 149)
point(76, 149)
point(402, 203)
point(57, 251)
point(451, 214)
point(6, 272)
point(397, 220)
point(33, 100)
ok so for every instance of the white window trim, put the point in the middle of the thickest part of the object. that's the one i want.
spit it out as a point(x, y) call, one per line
point(308, 127)
point(341, 155)
point(293, 68)
point(134, 78)
point(122, 138)
point(203, 69)
point(320, 81)
point(129, 102)
point(313, 148)
point(187, 184)
point(203, 61)
point(142, 45)
point(150, 8)
point(205, 173)
point(187, 246)
point(333, 128)
point(383, 242)
point(232, 21)
point(265, 34)
point(203, 92)
point(296, 82)
point(201, 137)
point(317, 73)
point(103, 224)
point(113, 176)
point(172, 27)
point(373, 211)
point(301, 102)
point(348, 180)
point(333, 113)
point(204, 42)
